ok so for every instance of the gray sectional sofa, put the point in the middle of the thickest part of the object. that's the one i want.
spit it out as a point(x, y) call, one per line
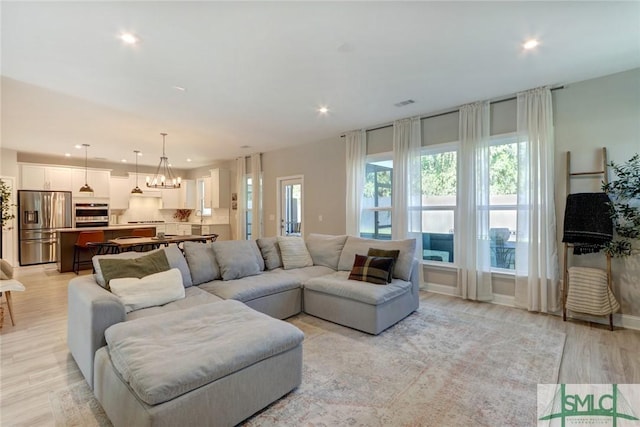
point(278, 283)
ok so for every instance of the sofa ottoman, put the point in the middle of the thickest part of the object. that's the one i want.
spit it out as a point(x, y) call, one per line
point(208, 365)
point(360, 305)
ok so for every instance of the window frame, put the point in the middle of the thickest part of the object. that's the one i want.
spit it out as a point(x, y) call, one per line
point(453, 146)
point(373, 158)
point(495, 140)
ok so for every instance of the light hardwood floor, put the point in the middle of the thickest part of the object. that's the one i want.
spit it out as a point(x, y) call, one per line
point(36, 361)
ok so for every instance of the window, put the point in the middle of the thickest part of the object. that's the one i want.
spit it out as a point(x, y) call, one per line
point(249, 204)
point(375, 220)
point(503, 190)
point(439, 193)
point(201, 189)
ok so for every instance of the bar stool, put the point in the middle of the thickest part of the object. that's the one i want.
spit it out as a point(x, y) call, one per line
point(84, 244)
point(6, 286)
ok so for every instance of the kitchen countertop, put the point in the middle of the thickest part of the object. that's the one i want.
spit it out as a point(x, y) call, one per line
point(109, 227)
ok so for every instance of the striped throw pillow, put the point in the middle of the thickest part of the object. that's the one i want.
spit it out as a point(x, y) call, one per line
point(371, 269)
point(395, 253)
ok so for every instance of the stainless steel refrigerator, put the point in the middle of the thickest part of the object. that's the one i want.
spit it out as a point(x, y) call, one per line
point(40, 215)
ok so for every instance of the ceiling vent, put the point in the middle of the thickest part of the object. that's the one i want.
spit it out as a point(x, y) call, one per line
point(403, 103)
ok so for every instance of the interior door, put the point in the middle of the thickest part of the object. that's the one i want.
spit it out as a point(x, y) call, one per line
point(9, 230)
point(290, 206)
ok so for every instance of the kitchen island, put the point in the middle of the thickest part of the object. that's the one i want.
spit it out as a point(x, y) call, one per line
point(67, 238)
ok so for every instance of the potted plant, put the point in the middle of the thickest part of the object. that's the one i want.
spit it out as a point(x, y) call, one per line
point(624, 192)
point(182, 215)
point(7, 206)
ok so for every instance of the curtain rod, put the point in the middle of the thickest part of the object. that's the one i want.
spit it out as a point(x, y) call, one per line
point(453, 110)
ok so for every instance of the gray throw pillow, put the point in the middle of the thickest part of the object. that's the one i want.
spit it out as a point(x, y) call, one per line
point(237, 258)
point(325, 249)
point(202, 262)
point(270, 252)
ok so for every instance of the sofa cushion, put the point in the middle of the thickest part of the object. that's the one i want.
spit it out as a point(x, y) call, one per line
point(163, 357)
point(113, 268)
point(173, 253)
point(194, 296)
point(202, 262)
point(360, 246)
point(371, 269)
point(388, 254)
point(270, 252)
point(149, 291)
point(237, 258)
point(338, 284)
point(252, 287)
point(325, 249)
point(294, 252)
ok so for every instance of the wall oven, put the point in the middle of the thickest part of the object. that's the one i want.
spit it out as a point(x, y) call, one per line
point(91, 215)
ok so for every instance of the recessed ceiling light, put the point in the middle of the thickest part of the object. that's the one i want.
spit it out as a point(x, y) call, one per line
point(78, 146)
point(530, 44)
point(179, 88)
point(188, 160)
point(124, 160)
point(139, 154)
point(323, 110)
point(67, 154)
point(129, 38)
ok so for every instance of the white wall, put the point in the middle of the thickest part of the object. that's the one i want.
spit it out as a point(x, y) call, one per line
point(589, 115)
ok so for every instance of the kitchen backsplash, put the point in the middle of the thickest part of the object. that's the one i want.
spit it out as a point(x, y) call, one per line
point(148, 209)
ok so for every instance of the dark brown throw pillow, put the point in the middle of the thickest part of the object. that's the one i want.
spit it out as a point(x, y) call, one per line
point(371, 269)
point(395, 253)
point(116, 268)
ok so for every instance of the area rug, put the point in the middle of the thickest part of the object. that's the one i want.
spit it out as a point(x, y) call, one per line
point(434, 368)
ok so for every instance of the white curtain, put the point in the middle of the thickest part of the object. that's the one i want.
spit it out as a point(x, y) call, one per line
point(472, 234)
point(406, 186)
point(241, 171)
point(256, 196)
point(536, 249)
point(356, 164)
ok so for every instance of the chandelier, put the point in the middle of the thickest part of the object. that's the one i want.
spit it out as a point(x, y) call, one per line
point(164, 177)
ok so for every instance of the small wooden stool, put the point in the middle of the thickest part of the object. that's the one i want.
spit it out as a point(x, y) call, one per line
point(6, 286)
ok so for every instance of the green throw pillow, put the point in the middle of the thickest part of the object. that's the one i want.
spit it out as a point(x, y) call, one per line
point(395, 253)
point(371, 269)
point(115, 268)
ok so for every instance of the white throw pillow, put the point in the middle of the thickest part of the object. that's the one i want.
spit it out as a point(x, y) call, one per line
point(152, 290)
point(294, 252)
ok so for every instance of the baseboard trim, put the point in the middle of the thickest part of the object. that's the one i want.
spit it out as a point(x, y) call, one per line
point(621, 320)
point(507, 300)
point(441, 289)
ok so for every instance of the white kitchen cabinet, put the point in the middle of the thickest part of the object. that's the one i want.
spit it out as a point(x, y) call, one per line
point(40, 177)
point(182, 198)
point(220, 195)
point(171, 228)
point(99, 180)
point(184, 229)
point(171, 198)
point(120, 191)
point(189, 194)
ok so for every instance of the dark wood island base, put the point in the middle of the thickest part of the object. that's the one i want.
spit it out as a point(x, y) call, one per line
point(67, 239)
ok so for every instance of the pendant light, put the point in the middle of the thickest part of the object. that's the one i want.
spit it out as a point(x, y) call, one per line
point(136, 190)
point(86, 188)
point(164, 177)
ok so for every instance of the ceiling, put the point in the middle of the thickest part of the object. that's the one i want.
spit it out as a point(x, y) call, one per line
point(255, 73)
